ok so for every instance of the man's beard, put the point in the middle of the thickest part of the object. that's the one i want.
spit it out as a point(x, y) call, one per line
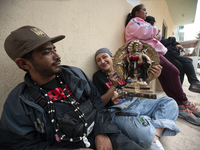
point(45, 71)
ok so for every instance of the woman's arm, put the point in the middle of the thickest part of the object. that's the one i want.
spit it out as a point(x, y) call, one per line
point(108, 95)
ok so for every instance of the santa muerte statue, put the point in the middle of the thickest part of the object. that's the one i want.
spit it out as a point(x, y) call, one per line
point(132, 63)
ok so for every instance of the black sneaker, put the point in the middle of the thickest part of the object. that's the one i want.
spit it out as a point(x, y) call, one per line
point(195, 87)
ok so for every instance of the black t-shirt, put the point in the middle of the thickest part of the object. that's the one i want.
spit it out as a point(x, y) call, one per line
point(55, 92)
point(102, 82)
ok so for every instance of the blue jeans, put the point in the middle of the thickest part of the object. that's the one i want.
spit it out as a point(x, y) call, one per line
point(157, 113)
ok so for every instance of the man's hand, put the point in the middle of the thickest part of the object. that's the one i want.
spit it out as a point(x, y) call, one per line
point(179, 47)
point(156, 71)
point(103, 142)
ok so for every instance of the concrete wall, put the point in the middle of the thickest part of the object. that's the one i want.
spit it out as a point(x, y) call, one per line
point(87, 24)
point(159, 10)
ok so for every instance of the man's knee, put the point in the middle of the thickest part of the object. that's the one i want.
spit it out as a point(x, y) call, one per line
point(189, 59)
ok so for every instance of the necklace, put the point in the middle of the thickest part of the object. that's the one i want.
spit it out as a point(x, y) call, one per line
point(52, 115)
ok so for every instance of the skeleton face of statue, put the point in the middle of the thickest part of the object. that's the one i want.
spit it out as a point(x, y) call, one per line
point(135, 46)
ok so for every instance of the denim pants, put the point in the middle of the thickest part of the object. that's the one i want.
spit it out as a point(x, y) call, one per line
point(157, 113)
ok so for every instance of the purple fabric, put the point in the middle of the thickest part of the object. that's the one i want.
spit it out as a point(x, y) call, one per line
point(170, 81)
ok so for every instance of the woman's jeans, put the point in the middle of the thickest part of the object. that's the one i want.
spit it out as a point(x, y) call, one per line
point(157, 113)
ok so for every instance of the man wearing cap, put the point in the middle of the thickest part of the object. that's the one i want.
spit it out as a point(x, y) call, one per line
point(56, 107)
